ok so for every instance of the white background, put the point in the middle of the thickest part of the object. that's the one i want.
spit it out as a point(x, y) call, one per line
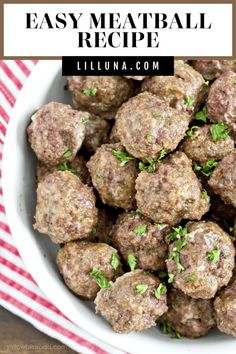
point(19, 41)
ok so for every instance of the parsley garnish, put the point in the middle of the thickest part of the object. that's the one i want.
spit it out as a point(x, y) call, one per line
point(132, 261)
point(138, 211)
point(166, 329)
point(162, 274)
point(115, 261)
point(214, 255)
point(189, 101)
point(84, 120)
point(102, 282)
point(140, 230)
point(99, 174)
point(179, 245)
point(160, 291)
point(191, 277)
point(219, 131)
point(159, 226)
point(94, 230)
point(142, 166)
point(149, 136)
point(90, 92)
point(177, 233)
point(67, 154)
point(171, 278)
point(122, 156)
point(162, 154)
point(141, 288)
point(207, 168)
point(190, 132)
point(204, 194)
point(175, 255)
point(206, 83)
point(64, 167)
point(152, 167)
point(202, 115)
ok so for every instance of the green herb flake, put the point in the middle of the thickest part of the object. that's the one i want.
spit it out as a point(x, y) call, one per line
point(122, 156)
point(94, 230)
point(204, 194)
point(115, 261)
point(177, 233)
point(177, 335)
point(142, 166)
point(152, 167)
point(149, 136)
point(231, 229)
point(214, 255)
point(171, 278)
point(191, 277)
point(162, 154)
point(219, 131)
point(166, 329)
point(162, 274)
point(84, 120)
point(179, 245)
point(141, 288)
point(138, 211)
point(64, 167)
point(189, 101)
point(132, 261)
point(160, 291)
point(67, 154)
point(202, 115)
point(206, 83)
point(90, 92)
point(190, 132)
point(102, 282)
point(180, 267)
point(197, 167)
point(140, 230)
point(160, 226)
point(209, 167)
point(99, 174)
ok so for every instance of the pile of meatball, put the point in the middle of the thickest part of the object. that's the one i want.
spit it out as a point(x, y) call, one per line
point(136, 181)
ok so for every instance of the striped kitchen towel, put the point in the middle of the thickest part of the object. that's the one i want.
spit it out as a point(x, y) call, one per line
point(19, 293)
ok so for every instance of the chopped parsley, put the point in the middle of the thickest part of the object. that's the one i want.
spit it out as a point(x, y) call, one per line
point(122, 156)
point(219, 131)
point(202, 115)
point(115, 261)
point(102, 282)
point(166, 329)
point(94, 230)
point(162, 154)
point(152, 167)
point(204, 194)
point(159, 226)
point(138, 211)
point(206, 83)
point(160, 290)
point(162, 274)
point(175, 256)
point(207, 168)
point(99, 174)
point(191, 277)
point(214, 255)
point(177, 233)
point(189, 101)
point(190, 132)
point(84, 120)
point(90, 92)
point(149, 136)
point(140, 230)
point(141, 288)
point(179, 245)
point(67, 154)
point(142, 166)
point(171, 278)
point(132, 261)
point(64, 167)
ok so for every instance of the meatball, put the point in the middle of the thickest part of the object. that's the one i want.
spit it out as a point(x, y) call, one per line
point(172, 192)
point(130, 304)
point(135, 234)
point(221, 101)
point(201, 147)
point(96, 133)
point(202, 261)
point(225, 309)
point(184, 91)
point(102, 231)
point(212, 69)
point(65, 207)
point(146, 125)
point(77, 166)
point(223, 179)
point(56, 133)
point(85, 265)
point(113, 174)
point(100, 95)
point(190, 317)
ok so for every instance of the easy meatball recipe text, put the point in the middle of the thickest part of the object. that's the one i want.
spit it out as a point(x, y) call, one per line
point(136, 181)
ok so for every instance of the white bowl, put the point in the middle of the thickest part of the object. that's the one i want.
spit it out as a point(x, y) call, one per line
point(46, 84)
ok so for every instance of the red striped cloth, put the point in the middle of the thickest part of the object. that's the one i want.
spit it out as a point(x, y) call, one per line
point(19, 293)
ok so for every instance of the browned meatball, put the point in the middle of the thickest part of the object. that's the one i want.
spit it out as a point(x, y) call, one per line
point(131, 304)
point(223, 179)
point(211, 69)
point(225, 309)
point(96, 133)
point(190, 317)
point(221, 101)
point(146, 125)
point(80, 263)
point(172, 192)
point(103, 230)
point(135, 234)
point(100, 95)
point(77, 166)
point(201, 147)
point(56, 133)
point(201, 261)
point(65, 207)
point(184, 91)
point(114, 177)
